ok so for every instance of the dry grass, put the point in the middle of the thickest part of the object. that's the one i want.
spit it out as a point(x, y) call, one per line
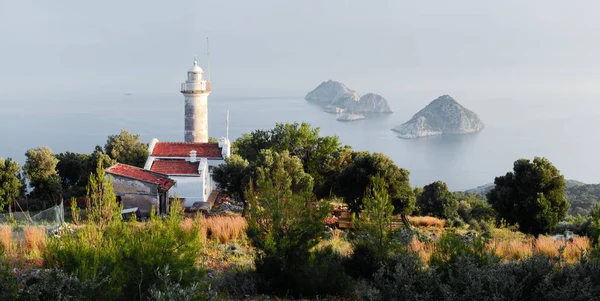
point(6, 238)
point(35, 239)
point(572, 249)
point(423, 249)
point(519, 247)
point(426, 221)
point(337, 242)
point(511, 249)
point(222, 228)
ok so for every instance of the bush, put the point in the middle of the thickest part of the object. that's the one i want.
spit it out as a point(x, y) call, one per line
point(8, 285)
point(450, 248)
point(169, 288)
point(365, 261)
point(58, 285)
point(404, 277)
point(129, 254)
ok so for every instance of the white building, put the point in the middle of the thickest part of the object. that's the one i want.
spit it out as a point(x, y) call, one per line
point(190, 163)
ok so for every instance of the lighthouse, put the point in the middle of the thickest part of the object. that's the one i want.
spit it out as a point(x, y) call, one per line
point(195, 90)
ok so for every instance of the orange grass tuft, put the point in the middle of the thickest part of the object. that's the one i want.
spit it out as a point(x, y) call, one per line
point(223, 228)
point(426, 221)
point(572, 249)
point(512, 249)
point(519, 248)
point(6, 238)
point(423, 249)
point(35, 239)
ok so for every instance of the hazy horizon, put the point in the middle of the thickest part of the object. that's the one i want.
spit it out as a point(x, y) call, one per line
point(516, 64)
point(468, 49)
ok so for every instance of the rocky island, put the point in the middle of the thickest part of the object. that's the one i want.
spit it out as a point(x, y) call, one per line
point(334, 97)
point(444, 115)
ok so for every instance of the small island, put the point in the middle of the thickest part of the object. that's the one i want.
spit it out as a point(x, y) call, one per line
point(444, 115)
point(334, 97)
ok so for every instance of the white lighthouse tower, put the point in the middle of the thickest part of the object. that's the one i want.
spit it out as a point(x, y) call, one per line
point(196, 90)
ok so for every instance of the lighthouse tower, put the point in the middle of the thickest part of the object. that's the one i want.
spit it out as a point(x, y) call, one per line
point(196, 90)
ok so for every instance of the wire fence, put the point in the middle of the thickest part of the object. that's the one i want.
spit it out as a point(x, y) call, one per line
point(51, 219)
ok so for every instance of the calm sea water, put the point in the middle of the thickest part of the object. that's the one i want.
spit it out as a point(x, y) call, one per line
point(564, 132)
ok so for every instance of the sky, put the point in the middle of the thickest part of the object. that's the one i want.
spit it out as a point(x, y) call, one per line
point(474, 50)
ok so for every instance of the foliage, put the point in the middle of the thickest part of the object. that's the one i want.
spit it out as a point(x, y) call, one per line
point(582, 198)
point(126, 253)
point(376, 214)
point(8, 285)
point(284, 224)
point(403, 278)
point(127, 149)
point(300, 140)
point(436, 200)
point(355, 178)
point(592, 226)
point(55, 284)
point(451, 248)
point(40, 169)
point(172, 290)
point(100, 157)
point(102, 207)
point(10, 183)
point(74, 170)
point(233, 177)
point(532, 196)
point(329, 168)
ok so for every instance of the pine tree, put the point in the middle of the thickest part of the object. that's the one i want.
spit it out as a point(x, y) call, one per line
point(102, 207)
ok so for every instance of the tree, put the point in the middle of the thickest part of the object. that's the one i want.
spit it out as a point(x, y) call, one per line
point(532, 196)
point(299, 140)
point(74, 170)
point(355, 178)
point(40, 170)
point(329, 169)
point(377, 210)
point(10, 182)
point(127, 149)
point(436, 200)
point(233, 177)
point(284, 220)
point(102, 206)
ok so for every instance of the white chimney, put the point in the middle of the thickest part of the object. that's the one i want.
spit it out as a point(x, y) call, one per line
point(193, 156)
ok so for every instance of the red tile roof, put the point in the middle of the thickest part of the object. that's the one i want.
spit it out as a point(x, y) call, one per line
point(175, 167)
point(124, 170)
point(182, 149)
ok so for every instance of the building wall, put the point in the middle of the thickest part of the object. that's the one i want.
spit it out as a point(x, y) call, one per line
point(189, 188)
point(196, 117)
point(136, 193)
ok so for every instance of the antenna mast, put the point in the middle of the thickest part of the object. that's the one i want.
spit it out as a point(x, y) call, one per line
point(208, 56)
point(227, 125)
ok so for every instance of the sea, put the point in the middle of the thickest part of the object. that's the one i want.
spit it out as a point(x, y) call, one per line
point(563, 131)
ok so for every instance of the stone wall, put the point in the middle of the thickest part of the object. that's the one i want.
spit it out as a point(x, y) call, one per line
point(136, 193)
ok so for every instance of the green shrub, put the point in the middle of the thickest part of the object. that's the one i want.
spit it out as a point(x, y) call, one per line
point(170, 288)
point(8, 285)
point(58, 285)
point(365, 261)
point(404, 277)
point(236, 282)
point(129, 254)
point(450, 248)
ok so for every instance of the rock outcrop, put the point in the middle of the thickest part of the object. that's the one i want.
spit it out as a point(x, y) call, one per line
point(371, 103)
point(336, 98)
point(444, 115)
point(332, 94)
